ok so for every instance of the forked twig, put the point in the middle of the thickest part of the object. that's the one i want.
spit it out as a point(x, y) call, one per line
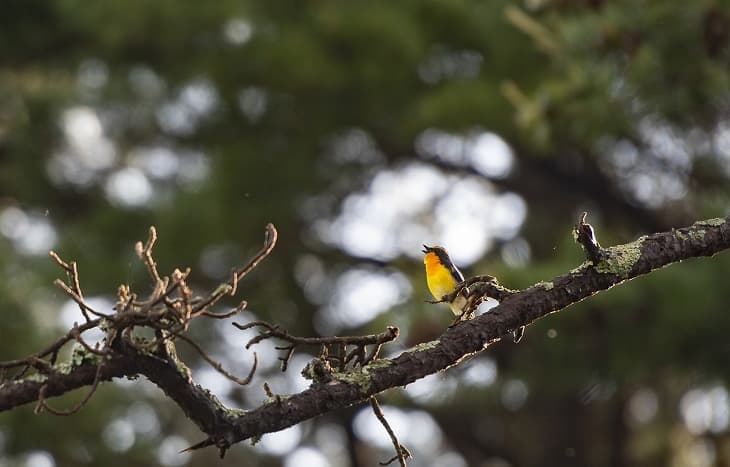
point(401, 452)
point(74, 289)
point(77, 335)
point(289, 351)
point(144, 251)
point(79, 300)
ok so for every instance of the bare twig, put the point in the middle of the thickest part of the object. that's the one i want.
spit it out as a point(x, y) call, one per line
point(272, 330)
point(357, 355)
point(401, 452)
point(477, 289)
point(144, 251)
point(163, 291)
point(267, 390)
point(219, 367)
point(79, 300)
point(586, 236)
point(53, 348)
point(77, 335)
point(74, 289)
point(43, 405)
point(270, 237)
point(241, 306)
point(373, 355)
point(289, 351)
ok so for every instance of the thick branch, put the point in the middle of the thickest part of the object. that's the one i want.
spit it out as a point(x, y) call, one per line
point(15, 393)
point(622, 263)
point(341, 389)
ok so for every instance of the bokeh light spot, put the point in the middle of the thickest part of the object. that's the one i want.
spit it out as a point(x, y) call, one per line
point(169, 453)
point(119, 435)
point(128, 187)
point(281, 442)
point(306, 456)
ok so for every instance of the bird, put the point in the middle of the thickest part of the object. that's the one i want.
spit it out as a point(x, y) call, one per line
point(442, 277)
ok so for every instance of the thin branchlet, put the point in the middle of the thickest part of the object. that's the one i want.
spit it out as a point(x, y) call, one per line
point(43, 404)
point(217, 365)
point(586, 237)
point(332, 348)
point(401, 453)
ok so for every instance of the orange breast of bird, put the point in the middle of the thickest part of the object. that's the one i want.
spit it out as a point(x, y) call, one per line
point(439, 278)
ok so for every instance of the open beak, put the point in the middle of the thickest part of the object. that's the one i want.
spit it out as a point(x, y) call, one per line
point(426, 249)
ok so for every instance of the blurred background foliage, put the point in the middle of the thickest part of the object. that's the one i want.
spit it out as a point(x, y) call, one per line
point(362, 130)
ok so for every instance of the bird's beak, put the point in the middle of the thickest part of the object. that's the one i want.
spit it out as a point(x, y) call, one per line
point(426, 249)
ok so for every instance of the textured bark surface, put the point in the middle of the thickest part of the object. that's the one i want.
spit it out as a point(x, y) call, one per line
point(15, 393)
point(333, 390)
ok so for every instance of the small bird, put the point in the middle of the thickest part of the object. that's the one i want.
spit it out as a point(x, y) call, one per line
point(442, 277)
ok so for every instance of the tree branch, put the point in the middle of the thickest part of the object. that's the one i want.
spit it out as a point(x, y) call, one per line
point(622, 263)
point(332, 390)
